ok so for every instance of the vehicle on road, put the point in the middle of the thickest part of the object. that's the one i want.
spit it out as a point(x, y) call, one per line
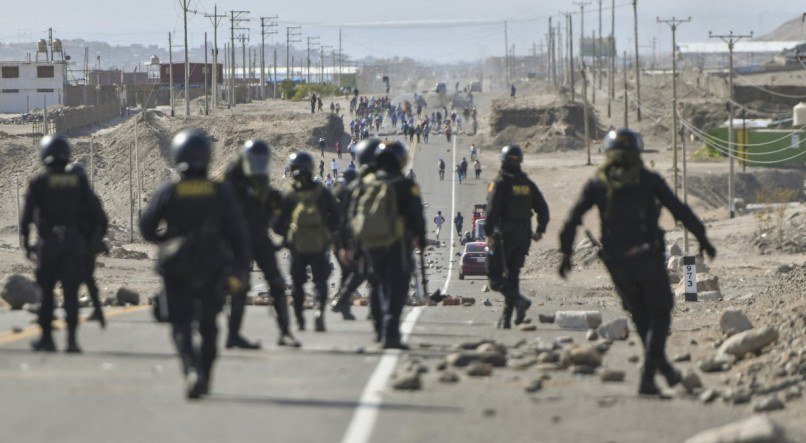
point(473, 260)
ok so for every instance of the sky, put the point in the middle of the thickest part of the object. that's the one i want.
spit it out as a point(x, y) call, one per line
point(465, 29)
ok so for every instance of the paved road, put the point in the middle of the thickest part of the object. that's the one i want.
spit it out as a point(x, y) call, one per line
point(127, 386)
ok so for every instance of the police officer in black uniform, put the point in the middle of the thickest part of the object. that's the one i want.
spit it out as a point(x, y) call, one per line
point(512, 198)
point(343, 192)
point(203, 249)
point(629, 199)
point(309, 222)
point(60, 203)
point(390, 266)
point(349, 250)
point(95, 229)
point(248, 176)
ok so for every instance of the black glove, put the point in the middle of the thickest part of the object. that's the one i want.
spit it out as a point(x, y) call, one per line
point(707, 248)
point(565, 266)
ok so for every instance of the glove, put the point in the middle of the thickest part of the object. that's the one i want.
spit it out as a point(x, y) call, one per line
point(565, 266)
point(237, 284)
point(537, 236)
point(707, 248)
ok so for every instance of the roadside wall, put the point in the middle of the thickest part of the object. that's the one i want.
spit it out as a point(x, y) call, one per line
point(71, 118)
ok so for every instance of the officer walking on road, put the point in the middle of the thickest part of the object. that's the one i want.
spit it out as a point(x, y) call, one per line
point(511, 200)
point(203, 248)
point(60, 203)
point(389, 223)
point(248, 176)
point(629, 199)
point(95, 229)
point(309, 223)
point(351, 255)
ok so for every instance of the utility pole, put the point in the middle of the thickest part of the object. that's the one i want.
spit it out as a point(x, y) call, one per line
point(593, 71)
point(611, 81)
point(291, 33)
point(322, 61)
point(235, 19)
point(637, 63)
point(341, 56)
point(244, 38)
point(673, 24)
point(581, 27)
point(185, 4)
point(552, 69)
point(569, 24)
point(731, 40)
point(206, 68)
point(274, 83)
point(626, 101)
point(310, 40)
point(506, 54)
point(272, 24)
point(584, 75)
point(171, 75)
point(216, 20)
point(598, 71)
point(685, 185)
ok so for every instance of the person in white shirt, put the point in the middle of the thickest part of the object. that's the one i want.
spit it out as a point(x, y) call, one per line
point(439, 220)
point(334, 166)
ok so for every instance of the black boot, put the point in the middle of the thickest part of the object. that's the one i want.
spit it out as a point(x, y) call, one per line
point(72, 342)
point(98, 315)
point(287, 339)
point(320, 320)
point(672, 375)
point(237, 341)
point(45, 343)
point(521, 306)
point(505, 322)
point(193, 385)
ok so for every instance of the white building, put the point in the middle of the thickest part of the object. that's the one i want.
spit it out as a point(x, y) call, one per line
point(30, 85)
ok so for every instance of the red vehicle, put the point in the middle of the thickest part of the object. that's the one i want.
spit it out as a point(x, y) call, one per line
point(473, 260)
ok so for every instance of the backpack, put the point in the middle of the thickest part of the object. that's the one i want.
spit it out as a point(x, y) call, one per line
point(308, 232)
point(377, 223)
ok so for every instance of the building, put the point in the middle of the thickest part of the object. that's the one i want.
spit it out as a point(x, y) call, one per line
point(30, 85)
point(197, 73)
point(748, 55)
point(111, 77)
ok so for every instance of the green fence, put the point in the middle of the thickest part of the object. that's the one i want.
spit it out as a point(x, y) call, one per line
point(763, 147)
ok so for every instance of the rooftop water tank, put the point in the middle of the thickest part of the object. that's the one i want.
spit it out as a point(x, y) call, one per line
point(154, 61)
point(799, 115)
point(42, 46)
point(57, 45)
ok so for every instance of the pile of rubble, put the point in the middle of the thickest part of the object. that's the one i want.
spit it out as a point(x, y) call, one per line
point(22, 119)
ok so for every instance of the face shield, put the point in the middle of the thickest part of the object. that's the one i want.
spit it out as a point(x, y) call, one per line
point(255, 165)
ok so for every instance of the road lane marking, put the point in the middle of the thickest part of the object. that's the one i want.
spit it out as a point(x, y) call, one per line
point(32, 331)
point(366, 413)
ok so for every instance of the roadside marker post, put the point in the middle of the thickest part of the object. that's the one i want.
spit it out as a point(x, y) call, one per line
point(690, 277)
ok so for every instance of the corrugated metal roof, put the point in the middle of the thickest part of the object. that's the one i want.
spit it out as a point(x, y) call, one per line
point(717, 47)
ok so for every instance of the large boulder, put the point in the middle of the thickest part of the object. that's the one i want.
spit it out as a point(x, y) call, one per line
point(754, 429)
point(616, 329)
point(585, 355)
point(734, 321)
point(126, 296)
point(748, 341)
point(19, 290)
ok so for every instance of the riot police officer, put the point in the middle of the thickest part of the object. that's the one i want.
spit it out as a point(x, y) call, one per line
point(629, 198)
point(203, 248)
point(511, 200)
point(309, 224)
point(249, 177)
point(349, 251)
point(95, 229)
point(343, 191)
point(388, 224)
point(62, 205)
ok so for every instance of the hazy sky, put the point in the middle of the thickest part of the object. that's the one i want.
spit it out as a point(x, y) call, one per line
point(149, 21)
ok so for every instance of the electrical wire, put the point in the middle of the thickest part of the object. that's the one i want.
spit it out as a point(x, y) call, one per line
point(721, 146)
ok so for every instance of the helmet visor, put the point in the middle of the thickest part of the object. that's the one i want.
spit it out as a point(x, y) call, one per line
point(256, 165)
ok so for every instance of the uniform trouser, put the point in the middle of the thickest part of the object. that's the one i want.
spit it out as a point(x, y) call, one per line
point(516, 243)
point(643, 285)
point(391, 272)
point(351, 280)
point(61, 259)
point(320, 270)
point(195, 304)
point(89, 280)
point(266, 260)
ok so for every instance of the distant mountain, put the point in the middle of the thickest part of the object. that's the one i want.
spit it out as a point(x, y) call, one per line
point(793, 30)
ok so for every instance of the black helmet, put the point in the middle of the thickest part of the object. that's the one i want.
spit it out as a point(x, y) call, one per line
point(349, 175)
point(300, 162)
point(512, 153)
point(191, 150)
point(624, 139)
point(365, 152)
point(255, 157)
point(394, 152)
point(76, 168)
point(54, 149)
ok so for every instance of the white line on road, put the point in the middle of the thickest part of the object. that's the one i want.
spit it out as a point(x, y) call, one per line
point(366, 413)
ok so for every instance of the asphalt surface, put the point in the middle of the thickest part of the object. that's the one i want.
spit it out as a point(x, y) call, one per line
point(126, 386)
